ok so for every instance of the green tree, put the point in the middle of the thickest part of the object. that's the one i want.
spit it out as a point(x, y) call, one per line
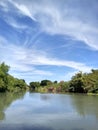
point(76, 84)
point(8, 82)
point(20, 84)
point(55, 82)
point(3, 76)
point(92, 81)
point(45, 82)
point(34, 85)
point(11, 83)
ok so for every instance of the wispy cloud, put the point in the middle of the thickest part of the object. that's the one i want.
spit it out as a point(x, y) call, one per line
point(4, 5)
point(22, 58)
point(11, 21)
point(64, 18)
point(23, 9)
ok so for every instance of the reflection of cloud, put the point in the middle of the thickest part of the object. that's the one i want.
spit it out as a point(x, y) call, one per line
point(33, 111)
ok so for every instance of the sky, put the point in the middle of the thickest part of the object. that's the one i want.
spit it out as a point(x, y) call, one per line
point(48, 39)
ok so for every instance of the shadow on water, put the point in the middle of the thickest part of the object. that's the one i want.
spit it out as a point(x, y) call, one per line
point(5, 101)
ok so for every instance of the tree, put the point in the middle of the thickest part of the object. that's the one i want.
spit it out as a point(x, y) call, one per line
point(92, 81)
point(55, 82)
point(34, 85)
point(76, 83)
point(3, 76)
point(45, 82)
point(2, 86)
point(4, 68)
point(11, 83)
point(20, 84)
point(8, 82)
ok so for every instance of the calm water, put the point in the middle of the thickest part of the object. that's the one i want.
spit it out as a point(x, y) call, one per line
point(34, 111)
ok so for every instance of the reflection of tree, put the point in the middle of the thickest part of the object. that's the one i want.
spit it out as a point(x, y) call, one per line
point(45, 97)
point(6, 99)
point(85, 105)
point(2, 115)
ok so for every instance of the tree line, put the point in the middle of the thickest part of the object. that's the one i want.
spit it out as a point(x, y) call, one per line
point(79, 83)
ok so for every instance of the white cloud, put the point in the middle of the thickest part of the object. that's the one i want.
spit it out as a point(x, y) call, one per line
point(24, 62)
point(23, 9)
point(4, 5)
point(64, 17)
point(23, 59)
point(69, 75)
point(11, 21)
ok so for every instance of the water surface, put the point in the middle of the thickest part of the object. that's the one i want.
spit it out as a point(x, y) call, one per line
point(35, 111)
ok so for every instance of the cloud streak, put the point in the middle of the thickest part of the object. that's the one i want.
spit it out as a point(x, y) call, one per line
point(23, 58)
point(64, 17)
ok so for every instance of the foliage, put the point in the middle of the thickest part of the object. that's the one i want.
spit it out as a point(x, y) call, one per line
point(76, 84)
point(79, 83)
point(3, 76)
point(45, 82)
point(92, 81)
point(63, 86)
point(8, 82)
point(34, 85)
point(55, 82)
point(87, 83)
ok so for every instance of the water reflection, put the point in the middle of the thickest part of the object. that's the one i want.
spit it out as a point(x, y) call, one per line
point(85, 105)
point(45, 97)
point(35, 111)
point(23, 127)
point(2, 115)
point(5, 101)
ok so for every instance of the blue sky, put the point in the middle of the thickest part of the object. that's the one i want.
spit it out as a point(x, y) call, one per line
point(48, 39)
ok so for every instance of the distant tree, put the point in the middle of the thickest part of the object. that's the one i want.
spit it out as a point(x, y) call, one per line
point(34, 85)
point(62, 86)
point(55, 82)
point(45, 82)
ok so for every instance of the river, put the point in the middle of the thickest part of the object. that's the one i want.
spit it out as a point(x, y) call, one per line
point(35, 111)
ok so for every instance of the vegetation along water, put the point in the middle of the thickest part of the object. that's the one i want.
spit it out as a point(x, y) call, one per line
point(48, 105)
point(79, 83)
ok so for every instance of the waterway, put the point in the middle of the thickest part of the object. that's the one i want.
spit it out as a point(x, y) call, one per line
point(35, 111)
